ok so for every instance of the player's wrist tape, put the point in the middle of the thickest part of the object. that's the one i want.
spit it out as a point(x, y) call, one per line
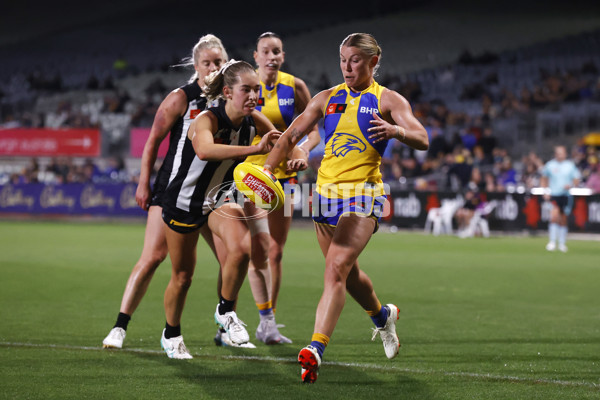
point(398, 129)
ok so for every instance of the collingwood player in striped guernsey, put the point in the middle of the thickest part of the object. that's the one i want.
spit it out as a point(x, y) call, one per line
point(175, 114)
point(217, 140)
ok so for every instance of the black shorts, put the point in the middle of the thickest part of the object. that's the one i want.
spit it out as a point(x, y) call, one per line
point(184, 222)
point(157, 195)
point(158, 190)
point(564, 203)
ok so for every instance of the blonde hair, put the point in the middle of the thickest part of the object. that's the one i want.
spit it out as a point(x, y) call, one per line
point(366, 43)
point(228, 75)
point(208, 41)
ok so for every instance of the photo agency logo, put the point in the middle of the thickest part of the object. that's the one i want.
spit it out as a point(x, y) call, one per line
point(301, 199)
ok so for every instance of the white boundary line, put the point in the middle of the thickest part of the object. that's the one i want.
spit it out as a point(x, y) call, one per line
point(474, 375)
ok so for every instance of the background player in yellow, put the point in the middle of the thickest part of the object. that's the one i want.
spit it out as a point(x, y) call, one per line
point(360, 117)
point(282, 97)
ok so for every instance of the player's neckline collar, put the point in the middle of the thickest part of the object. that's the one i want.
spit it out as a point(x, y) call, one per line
point(356, 94)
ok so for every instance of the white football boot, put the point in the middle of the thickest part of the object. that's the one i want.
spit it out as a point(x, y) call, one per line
point(115, 338)
point(391, 343)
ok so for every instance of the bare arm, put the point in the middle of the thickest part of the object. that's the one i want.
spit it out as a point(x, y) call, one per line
point(302, 100)
point(201, 133)
point(398, 122)
point(298, 129)
point(544, 182)
point(172, 108)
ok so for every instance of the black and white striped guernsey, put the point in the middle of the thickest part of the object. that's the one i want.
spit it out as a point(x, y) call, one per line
point(194, 184)
point(196, 104)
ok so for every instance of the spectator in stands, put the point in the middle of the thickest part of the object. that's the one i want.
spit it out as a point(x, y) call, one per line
point(531, 167)
point(459, 171)
point(507, 175)
point(593, 181)
point(465, 213)
point(476, 183)
point(479, 159)
point(490, 182)
point(488, 143)
point(90, 172)
point(438, 144)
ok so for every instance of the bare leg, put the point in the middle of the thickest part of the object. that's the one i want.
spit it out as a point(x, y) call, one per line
point(279, 226)
point(182, 248)
point(343, 246)
point(229, 226)
point(259, 275)
point(153, 254)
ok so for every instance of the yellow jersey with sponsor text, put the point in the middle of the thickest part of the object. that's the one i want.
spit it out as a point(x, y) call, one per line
point(277, 103)
point(351, 162)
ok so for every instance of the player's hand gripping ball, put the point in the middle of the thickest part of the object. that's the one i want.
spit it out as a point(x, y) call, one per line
point(259, 185)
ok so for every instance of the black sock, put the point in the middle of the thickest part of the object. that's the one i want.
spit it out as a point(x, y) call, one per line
point(122, 321)
point(225, 305)
point(172, 331)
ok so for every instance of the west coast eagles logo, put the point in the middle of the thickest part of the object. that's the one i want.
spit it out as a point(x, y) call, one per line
point(344, 143)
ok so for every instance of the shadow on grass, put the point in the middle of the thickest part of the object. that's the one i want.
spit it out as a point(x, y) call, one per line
point(222, 377)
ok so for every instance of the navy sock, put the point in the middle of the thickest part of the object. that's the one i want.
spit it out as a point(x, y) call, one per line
point(225, 305)
point(122, 321)
point(172, 331)
point(381, 317)
point(319, 346)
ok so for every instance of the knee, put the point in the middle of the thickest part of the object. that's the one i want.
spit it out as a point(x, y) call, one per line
point(183, 279)
point(240, 254)
point(276, 254)
point(150, 262)
point(336, 270)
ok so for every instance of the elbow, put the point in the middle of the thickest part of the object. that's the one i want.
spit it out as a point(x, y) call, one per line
point(423, 143)
point(203, 155)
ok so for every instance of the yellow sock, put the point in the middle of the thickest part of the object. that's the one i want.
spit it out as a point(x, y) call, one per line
point(373, 313)
point(319, 337)
point(264, 306)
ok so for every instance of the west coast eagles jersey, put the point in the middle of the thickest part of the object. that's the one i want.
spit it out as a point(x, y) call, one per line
point(351, 159)
point(276, 103)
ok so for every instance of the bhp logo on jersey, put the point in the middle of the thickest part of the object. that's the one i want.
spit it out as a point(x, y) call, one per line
point(260, 188)
point(368, 110)
point(336, 108)
point(286, 102)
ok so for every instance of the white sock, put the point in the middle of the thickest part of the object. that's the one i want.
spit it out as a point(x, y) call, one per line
point(553, 232)
point(562, 235)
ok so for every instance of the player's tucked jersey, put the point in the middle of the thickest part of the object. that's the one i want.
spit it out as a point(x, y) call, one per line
point(276, 103)
point(196, 104)
point(195, 185)
point(351, 160)
point(560, 174)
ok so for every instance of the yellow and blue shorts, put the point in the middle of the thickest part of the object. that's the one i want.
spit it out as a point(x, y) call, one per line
point(328, 211)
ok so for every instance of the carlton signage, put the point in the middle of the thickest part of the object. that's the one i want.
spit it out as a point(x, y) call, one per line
point(49, 142)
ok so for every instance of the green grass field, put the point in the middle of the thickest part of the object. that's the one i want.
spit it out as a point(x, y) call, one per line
point(496, 318)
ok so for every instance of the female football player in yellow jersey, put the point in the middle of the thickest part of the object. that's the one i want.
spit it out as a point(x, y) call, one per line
point(360, 117)
point(282, 97)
